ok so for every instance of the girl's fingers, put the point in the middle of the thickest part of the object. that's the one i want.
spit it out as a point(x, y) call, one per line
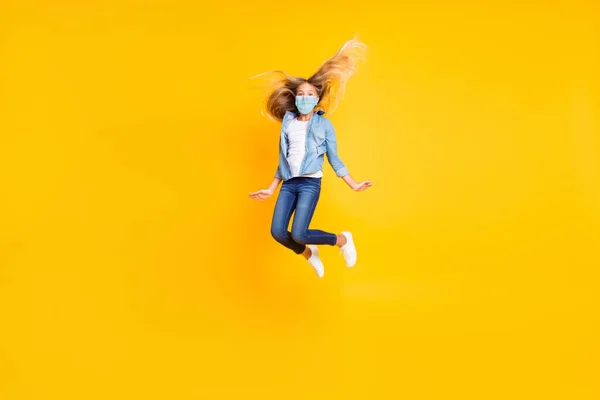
point(257, 195)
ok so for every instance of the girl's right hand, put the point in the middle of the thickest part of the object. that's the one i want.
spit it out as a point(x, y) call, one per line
point(261, 195)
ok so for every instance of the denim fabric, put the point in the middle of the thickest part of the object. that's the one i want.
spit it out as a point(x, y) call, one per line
point(320, 140)
point(300, 194)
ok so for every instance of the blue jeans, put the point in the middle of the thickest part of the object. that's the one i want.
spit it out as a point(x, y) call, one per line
point(300, 194)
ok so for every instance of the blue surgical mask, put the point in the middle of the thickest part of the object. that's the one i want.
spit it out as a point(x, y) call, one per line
point(306, 104)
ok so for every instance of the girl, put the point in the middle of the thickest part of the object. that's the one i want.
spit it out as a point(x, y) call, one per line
point(305, 137)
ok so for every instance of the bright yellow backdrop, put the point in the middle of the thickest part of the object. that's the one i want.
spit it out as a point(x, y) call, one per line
point(134, 266)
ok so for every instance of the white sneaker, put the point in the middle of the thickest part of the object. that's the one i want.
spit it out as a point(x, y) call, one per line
point(349, 250)
point(315, 261)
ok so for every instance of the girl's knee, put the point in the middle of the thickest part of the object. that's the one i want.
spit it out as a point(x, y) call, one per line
point(278, 235)
point(299, 236)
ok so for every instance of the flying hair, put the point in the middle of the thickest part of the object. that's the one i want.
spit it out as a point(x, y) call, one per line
point(329, 81)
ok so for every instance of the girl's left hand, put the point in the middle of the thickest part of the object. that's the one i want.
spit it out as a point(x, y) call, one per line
point(364, 185)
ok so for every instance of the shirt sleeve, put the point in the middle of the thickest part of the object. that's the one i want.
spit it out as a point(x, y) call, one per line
point(332, 153)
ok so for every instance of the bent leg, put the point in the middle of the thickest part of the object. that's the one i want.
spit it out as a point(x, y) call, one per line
point(286, 202)
point(308, 197)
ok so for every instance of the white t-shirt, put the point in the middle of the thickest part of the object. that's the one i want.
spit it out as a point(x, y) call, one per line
point(296, 133)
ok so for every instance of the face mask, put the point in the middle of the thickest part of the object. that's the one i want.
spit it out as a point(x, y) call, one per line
point(306, 104)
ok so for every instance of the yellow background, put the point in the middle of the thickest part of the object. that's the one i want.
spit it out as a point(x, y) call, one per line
point(133, 265)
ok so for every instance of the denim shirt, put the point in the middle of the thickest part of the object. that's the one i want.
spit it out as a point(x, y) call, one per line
point(320, 139)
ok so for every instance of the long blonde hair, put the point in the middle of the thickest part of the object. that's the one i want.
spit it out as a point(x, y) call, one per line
point(329, 80)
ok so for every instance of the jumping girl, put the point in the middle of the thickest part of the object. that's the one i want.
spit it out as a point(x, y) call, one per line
point(305, 137)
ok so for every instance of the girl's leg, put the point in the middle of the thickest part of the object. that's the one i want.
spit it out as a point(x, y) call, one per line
point(341, 240)
point(309, 191)
point(286, 202)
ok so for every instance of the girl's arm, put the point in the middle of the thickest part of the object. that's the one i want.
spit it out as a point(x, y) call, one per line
point(332, 153)
point(338, 166)
point(263, 194)
point(359, 187)
point(274, 183)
